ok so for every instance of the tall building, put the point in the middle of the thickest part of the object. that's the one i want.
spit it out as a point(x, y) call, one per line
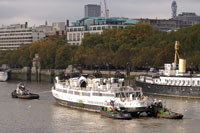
point(174, 9)
point(92, 10)
point(76, 32)
point(13, 36)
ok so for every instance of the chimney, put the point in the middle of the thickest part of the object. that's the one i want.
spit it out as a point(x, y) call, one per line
point(46, 23)
point(26, 24)
point(67, 23)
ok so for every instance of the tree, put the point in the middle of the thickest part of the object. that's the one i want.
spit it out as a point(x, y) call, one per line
point(91, 40)
point(64, 55)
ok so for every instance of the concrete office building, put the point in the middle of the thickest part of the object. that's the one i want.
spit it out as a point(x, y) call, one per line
point(13, 36)
point(57, 28)
point(45, 28)
point(92, 10)
point(76, 32)
point(163, 24)
point(189, 17)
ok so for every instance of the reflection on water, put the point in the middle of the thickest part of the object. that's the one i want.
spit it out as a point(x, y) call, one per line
point(45, 116)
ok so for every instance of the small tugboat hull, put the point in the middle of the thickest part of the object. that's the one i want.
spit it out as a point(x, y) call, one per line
point(171, 116)
point(119, 115)
point(161, 112)
point(27, 96)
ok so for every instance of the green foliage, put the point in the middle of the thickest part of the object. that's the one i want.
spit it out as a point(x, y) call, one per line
point(64, 55)
point(139, 45)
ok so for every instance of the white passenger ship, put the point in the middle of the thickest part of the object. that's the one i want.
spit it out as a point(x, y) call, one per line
point(93, 93)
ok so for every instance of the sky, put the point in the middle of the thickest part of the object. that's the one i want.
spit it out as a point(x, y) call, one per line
point(36, 12)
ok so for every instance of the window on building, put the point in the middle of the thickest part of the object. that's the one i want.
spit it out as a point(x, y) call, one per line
point(78, 36)
point(74, 37)
point(79, 29)
point(94, 28)
point(70, 37)
point(98, 28)
point(71, 30)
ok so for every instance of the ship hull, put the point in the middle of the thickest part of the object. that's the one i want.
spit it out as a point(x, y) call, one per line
point(90, 107)
point(170, 90)
point(82, 106)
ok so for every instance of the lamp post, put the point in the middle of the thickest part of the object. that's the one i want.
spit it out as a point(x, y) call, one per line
point(128, 72)
point(108, 68)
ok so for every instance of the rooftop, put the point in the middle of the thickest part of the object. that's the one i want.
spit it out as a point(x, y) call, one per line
point(103, 20)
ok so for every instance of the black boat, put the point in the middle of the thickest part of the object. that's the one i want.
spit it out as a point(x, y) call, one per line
point(22, 93)
point(115, 114)
point(173, 80)
point(25, 96)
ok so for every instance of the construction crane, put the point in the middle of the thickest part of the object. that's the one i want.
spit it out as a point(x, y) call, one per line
point(106, 9)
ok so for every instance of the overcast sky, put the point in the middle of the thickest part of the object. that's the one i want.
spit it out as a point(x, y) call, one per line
point(36, 12)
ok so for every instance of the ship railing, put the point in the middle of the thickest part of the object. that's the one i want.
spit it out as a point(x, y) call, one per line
point(87, 89)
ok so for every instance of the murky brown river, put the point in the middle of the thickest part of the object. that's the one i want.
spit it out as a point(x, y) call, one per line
point(45, 116)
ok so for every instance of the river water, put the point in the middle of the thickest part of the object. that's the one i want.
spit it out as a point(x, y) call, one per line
point(45, 116)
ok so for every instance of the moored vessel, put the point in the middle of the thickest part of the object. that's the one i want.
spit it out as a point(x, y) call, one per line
point(3, 75)
point(90, 93)
point(172, 81)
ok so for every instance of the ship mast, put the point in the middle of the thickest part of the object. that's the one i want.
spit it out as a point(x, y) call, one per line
point(176, 54)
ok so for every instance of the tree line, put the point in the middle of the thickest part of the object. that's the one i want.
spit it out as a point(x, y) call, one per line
point(138, 46)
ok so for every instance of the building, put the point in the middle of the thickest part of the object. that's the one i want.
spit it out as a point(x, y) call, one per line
point(59, 28)
point(45, 28)
point(165, 25)
point(188, 17)
point(168, 25)
point(92, 10)
point(13, 36)
point(75, 33)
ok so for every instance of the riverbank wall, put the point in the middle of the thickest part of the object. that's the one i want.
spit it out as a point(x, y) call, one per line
point(48, 75)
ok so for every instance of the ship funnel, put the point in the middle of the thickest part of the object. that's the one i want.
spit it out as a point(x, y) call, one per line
point(176, 56)
point(182, 66)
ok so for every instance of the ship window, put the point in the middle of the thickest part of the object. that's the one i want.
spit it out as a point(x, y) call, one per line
point(117, 95)
point(60, 90)
point(122, 95)
point(96, 94)
point(70, 92)
point(85, 94)
point(65, 91)
point(138, 94)
point(108, 95)
point(127, 94)
point(77, 93)
point(198, 82)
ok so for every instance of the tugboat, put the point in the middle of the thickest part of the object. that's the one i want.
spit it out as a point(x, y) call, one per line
point(172, 81)
point(23, 93)
point(114, 112)
point(157, 110)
